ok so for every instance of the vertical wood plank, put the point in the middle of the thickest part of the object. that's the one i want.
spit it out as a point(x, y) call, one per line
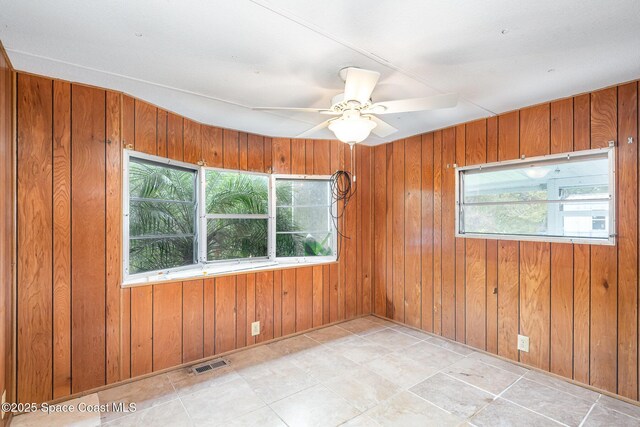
point(241, 311)
point(561, 350)
point(209, 316)
point(242, 151)
point(281, 148)
point(251, 306)
point(476, 250)
point(161, 132)
point(581, 256)
point(225, 314)
point(627, 199)
point(145, 126)
point(264, 305)
point(113, 235)
point(412, 235)
point(492, 252)
point(398, 229)
point(304, 298)
point(366, 239)
point(508, 251)
point(379, 229)
point(288, 301)
point(321, 157)
point(448, 234)
point(317, 296)
point(167, 325)
point(277, 303)
point(230, 149)
point(62, 239)
point(34, 269)
point(192, 141)
point(298, 163)
point(461, 297)
point(389, 227)
point(192, 321)
point(437, 232)
point(88, 260)
point(604, 260)
point(255, 153)
point(212, 146)
point(535, 285)
point(427, 232)
point(141, 330)
point(174, 137)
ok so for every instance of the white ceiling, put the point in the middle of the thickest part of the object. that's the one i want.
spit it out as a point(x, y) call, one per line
point(212, 60)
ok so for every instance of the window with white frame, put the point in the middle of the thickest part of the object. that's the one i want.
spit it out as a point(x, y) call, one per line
point(160, 217)
point(179, 216)
point(304, 225)
point(566, 197)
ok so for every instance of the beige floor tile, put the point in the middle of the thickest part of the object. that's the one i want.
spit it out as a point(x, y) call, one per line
point(223, 402)
point(364, 326)
point(293, 345)
point(393, 339)
point(423, 336)
point(431, 355)
point(502, 413)
point(332, 334)
point(76, 418)
point(360, 350)
point(252, 357)
point(499, 363)
point(408, 410)
point(277, 380)
point(487, 377)
point(316, 406)
point(558, 384)
point(145, 393)
point(167, 414)
point(188, 383)
point(553, 403)
point(324, 363)
point(620, 406)
point(452, 395)
point(401, 370)
point(263, 417)
point(361, 421)
point(603, 416)
point(363, 389)
point(379, 320)
point(450, 345)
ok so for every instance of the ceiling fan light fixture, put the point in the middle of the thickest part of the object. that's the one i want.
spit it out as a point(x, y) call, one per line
point(352, 129)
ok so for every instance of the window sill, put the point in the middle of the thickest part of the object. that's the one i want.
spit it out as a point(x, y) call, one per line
point(210, 271)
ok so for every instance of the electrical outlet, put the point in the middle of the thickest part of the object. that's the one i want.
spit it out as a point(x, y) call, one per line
point(523, 343)
point(255, 328)
point(4, 400)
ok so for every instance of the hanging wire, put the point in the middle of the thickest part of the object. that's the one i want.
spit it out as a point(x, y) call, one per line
point(343, 188)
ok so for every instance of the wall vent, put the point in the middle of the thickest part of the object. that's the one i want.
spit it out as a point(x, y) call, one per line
point(209, 366)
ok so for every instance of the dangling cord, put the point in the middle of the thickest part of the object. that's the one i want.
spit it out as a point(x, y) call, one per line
point(343, 188)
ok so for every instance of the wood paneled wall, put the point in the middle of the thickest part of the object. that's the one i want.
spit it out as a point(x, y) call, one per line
point(577, 303)
point(77, 328)
point(6, 225)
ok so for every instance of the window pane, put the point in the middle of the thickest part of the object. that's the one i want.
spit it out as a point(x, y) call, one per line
point(154, 181)
point(303, 244)
point(309, 219)
point(543, 182)
point(160, 254)
point(160, 218)
point(301, 192)
point(564, 219)
point(236, 193)
point(236, 238)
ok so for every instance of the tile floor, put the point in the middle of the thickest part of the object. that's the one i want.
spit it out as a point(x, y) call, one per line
point(364, 372)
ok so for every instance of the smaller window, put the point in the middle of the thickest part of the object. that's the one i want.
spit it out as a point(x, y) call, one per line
point(237, 215)
point(566, 197)
point(304, 226)
point(161, 216)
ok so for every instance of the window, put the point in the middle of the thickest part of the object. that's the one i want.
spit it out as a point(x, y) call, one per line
point(566, 197)
point(237, 215)
point(160, 217)
point(182, 220)
point(304, 226)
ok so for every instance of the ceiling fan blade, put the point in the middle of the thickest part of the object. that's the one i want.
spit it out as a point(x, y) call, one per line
point(296, 109)
point(415, 104)
point(359, 84)
point(314, 129)
point(382, 129)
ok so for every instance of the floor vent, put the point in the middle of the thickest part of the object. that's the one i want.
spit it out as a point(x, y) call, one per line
point(209, 366)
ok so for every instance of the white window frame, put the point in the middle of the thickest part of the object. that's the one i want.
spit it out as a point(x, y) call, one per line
point(202, 266)
point(333, 212)
point(204, 216)
point(542, 161)
point(128, 154)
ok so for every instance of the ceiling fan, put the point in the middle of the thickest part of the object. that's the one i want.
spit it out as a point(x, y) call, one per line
point(356, 112)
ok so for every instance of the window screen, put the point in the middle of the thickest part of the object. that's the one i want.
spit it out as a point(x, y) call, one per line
point(557, 198)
